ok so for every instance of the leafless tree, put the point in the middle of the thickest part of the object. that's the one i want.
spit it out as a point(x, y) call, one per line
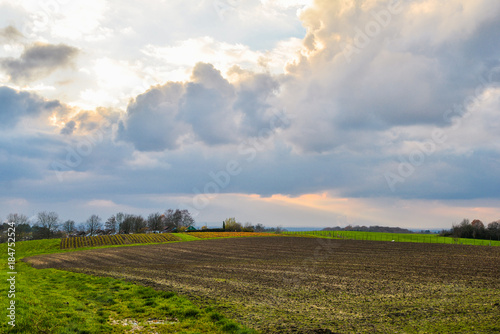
point(17, 219)
point(111, 224)
point(178, 218)
point(155, 221)
point(68, 226)
point(132, 224)
point(93, 224)
point(47, 222)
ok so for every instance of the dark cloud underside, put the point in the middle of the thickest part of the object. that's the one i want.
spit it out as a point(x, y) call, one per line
point(38, 61)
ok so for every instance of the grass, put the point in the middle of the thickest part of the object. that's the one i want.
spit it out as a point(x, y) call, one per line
point(55, 301)
point(186, 237)
point(397, 237)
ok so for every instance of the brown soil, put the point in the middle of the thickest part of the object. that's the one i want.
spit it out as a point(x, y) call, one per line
point(306, 285)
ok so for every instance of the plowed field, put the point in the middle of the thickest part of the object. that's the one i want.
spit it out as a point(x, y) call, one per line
point(306, 285)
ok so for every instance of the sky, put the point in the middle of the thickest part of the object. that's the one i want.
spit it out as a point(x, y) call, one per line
point(300, 113)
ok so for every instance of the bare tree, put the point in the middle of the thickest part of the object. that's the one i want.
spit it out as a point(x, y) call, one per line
point(178, 218)
point(68, 226)
point(169, 220)
point(139, 224)
point(17, 218)
point(111, 224)
point(80, 227)
point(186, 219)
point(132, 224)
point(126, 223)
point(47, 223)
point(155, 221)
point(93, 224)
point(22, 225)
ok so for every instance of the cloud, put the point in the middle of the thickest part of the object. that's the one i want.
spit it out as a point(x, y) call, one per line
point(68, 128)
point(207, 108)
point(38, 61)
point(15, 105)
point(10, 33)
point(151, 123)
point(369, 66)
point(366, 89)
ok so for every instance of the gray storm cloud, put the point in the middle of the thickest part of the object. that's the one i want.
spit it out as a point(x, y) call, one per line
point(208, 109)
point(151, 123)
point(15, 105)
point(38, 61)
point(68, 128)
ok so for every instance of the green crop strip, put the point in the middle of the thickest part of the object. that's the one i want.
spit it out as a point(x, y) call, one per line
point(394, 237)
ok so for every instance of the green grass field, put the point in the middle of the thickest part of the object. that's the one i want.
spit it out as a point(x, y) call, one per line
point(55, 301)
point(397, 237)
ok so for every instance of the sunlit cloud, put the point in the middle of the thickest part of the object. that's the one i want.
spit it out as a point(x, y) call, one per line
point(336, 112)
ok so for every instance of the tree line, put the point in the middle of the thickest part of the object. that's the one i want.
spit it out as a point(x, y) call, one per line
point(231, 225)
point(48, 224)
point(474, 230)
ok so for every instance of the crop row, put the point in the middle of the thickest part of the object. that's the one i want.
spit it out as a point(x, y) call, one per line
point(118, 239)
point(213, 235)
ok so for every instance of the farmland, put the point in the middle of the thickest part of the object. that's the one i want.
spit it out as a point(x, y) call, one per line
point(55, 301)
point(117, 239)
point(130, 239)
point(315, 285)
point(215, 235)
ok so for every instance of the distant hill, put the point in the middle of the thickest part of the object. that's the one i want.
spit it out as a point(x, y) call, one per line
point(385, 229)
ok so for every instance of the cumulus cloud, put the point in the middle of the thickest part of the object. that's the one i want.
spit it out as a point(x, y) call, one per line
point(38, 61)
point(15, 105)
point(368, 66)
point(151, 123)
point(208, 108)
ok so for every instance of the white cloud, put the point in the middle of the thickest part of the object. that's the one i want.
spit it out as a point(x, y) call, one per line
point(352, 114)
point(203, 49)
point(66, 19)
